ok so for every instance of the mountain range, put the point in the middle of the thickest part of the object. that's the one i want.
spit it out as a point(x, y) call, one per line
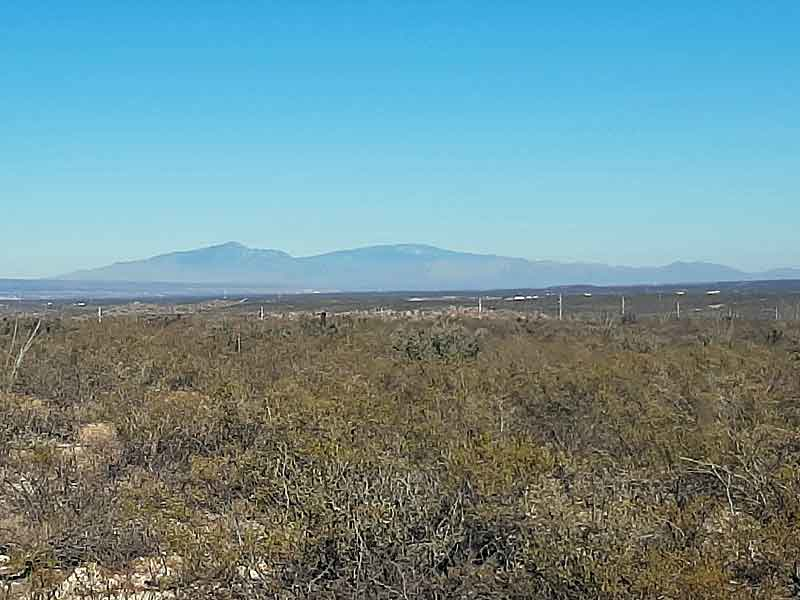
point(398, 267)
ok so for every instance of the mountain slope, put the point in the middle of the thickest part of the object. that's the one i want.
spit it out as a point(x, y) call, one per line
point(398, 267)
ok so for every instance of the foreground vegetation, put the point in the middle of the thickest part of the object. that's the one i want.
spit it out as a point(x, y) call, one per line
point(370, 459)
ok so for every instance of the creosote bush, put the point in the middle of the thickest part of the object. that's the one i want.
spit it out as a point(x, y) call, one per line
point(371, 459)
point(444, 341)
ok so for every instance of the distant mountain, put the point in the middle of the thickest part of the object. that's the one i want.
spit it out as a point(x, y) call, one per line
point(780, 274)
point(223, 263)
point(397, 267)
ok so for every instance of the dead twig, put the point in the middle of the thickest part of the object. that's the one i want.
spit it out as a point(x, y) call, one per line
point(12, 376)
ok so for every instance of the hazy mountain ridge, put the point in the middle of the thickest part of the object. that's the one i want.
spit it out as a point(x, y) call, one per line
point(398, 267)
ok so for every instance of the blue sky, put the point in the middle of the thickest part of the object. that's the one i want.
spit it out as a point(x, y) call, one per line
point(626, 132)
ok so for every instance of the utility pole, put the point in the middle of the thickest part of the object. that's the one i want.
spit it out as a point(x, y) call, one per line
point(560, 306)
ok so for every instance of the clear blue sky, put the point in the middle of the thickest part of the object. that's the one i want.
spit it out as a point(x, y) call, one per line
point(621, 132)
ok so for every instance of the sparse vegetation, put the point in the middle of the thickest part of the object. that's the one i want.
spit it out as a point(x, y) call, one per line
point(517, 458)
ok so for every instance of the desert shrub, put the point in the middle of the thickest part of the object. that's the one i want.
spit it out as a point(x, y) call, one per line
point(499, 458)
point(441, 342)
